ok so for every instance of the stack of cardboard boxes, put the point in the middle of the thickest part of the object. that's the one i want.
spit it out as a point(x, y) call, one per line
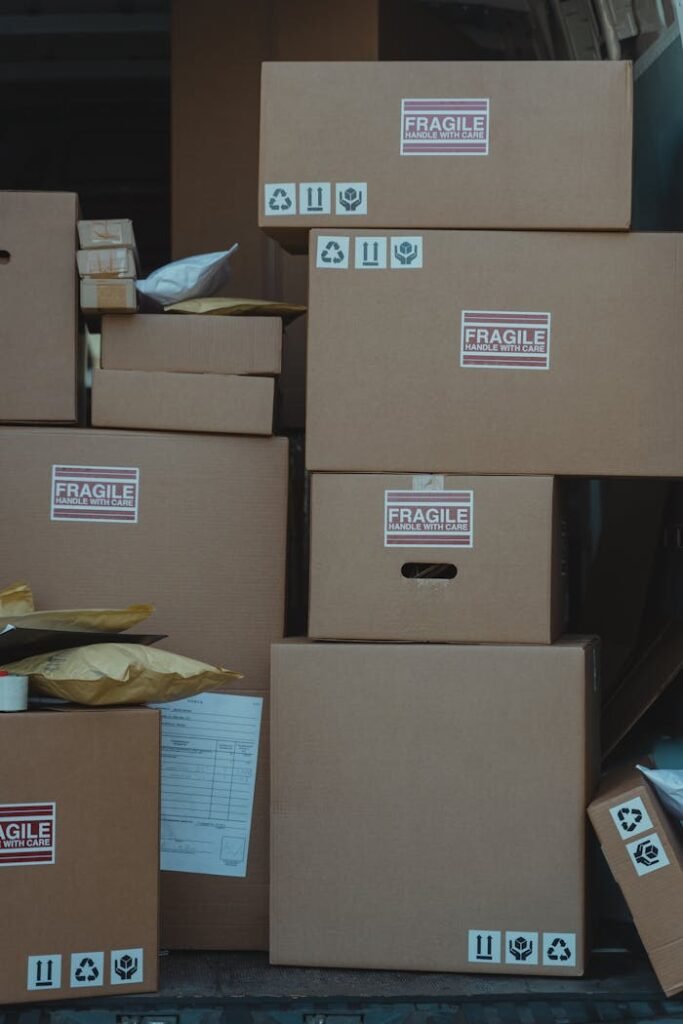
point(108, 266)
point(432, 766)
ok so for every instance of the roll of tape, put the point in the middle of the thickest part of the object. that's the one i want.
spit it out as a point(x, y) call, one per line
point(13, 692)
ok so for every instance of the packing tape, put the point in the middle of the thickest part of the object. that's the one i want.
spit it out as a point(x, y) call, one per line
point(13, 693)
point(428, 482)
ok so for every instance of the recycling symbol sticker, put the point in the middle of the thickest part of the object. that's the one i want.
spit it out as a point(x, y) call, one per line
point(127, 966)
point(631, 818)
point(521, 948)
point(87, 970)
point(332, 252)
point(280, 199)
point(559, 949)
point(647, 854)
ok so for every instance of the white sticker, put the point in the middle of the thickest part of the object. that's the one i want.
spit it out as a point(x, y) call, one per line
point(429, 519)
point(280, 199)
point(521, 948)
point(44, 972)
point(27, 834)
point(87, 970)
point(505, 339)
point(95, 494)
point(647, 854)
point(406, 252)
point(315, 197)
point(127, 966)
point(483, 947)
point(429, 482)
point(332, 252)
point(351, 198)
point(444, 127)
point(631, 818)
point(559, 949)
point(371, 253)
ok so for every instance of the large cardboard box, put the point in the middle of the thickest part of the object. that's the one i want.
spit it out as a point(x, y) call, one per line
point(439, 843)
point(469, 559)
point(495, 352)
point(79, 859)
point(644, 852)
point(193, 344)
point(444, 144)
point(38, 298)
point(210, 402)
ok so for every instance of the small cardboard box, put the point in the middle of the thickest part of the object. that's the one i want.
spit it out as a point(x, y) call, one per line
point(106, 234)
point(108, 296)
point(438, 842)
point(106, 263)
point(507, 144)
point(451, 559)
point(495, 353)
point(193, 344)
point(192, 402)
point(644, 852)
point(38, 298)
point(79, 859)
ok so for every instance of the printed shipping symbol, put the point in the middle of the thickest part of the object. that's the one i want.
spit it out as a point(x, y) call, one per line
point(44, 974)
point(559, 950)
point(126, 967)
point(484, 947)
point(630, 818)
point(279, 200)
point(87, 970)
point(332, 253)
point(350, 199)
point(405, 253)
point(647, 853)
point(521, 949)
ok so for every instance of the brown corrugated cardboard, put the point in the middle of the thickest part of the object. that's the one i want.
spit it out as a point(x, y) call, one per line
point(106, 234)
point(79, 884)
point(423, 364)
point(438, 842)
point(468, 559)
point(193, 402)
point(497, 144)
point(645, 856)
point(108, 296)
point(39, 323)
point(106, 263)
point(193, 344)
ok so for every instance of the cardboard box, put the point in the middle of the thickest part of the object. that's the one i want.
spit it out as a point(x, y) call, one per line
point(451, 559)
point(106, 234)
point(439, 844)
point(193, 344)
point(193, 402)
point(498, 144)
point(108, 296)
point(80, 860)
point(39, 324)
point(423, 365)
point(106, 263)
point(644, 852)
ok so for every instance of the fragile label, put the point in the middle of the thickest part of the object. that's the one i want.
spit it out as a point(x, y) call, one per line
point(95, 494)
point(505, 340)
point(440, 519)
point(444, 127)
point(27, 834)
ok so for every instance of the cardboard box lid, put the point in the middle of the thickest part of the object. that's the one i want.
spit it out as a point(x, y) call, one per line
point(497, 536)
point(388, 391)
point(99, 892)
point(193, 344)
point(645, 855)
point(404, 772)
point(555, 149)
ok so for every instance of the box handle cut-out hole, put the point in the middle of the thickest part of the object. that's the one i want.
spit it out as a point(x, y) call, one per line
point(4, 256)
point(429, 570)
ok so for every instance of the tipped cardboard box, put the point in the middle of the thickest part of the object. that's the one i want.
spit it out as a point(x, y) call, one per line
point(507, 144)
point(191, 402)
point(465, 559)
point(106, 234)
point(108, 296)
point(79, 859)
point(495, 353)
point(643, 850)
point(439, 843)
point(38, 298)
point(193, 344)
point(106, 263)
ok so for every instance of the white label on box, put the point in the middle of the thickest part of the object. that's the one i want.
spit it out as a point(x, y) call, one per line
point(27, 834)
point(483, 947)
point(521, 948)
point(315, 197)
point(95, 494)
point(406, 252)
point(559, 949)
point(429, 519)
point(44, 972)
point(280, 199)
point(501, 339)
point(647, 854)
point(127, 966)
point(351, 198)
point(332, 252)
point(87, 970)
point(371, 253)
point(444, 127)
point(631, 818)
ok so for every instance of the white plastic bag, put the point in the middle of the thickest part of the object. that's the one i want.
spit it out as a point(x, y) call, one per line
point(191, 278)
point(668, 784)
